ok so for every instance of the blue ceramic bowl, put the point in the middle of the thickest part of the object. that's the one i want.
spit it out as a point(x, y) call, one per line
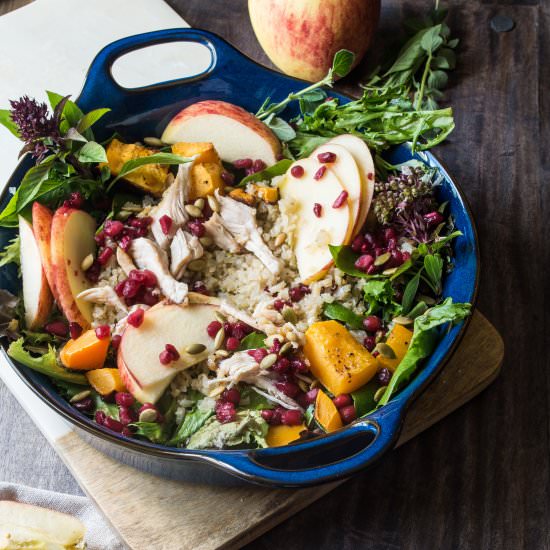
point(145, 112)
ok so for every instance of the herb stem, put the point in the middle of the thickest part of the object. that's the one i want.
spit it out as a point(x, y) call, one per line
point(420, 95)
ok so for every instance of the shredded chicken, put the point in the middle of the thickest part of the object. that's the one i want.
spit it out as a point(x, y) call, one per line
point(172, 205)
point(240, 220)
point(148, 255)
point(183, 249)
point(103, 295)
point(220, 235)
point(124, 261)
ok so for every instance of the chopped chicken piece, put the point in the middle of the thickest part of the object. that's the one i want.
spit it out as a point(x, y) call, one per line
point(240, 221)
point(148, 255)
point(124, 261)
point(220, 235)
point(172, 205)
point(103, 295)
point(183, 249)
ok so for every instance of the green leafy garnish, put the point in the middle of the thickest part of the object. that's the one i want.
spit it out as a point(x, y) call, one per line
point(92, 152)
point(193, 421)
point(153, 431)
point(110, 409)
point(338, 312)
point(277, 169)
point(11, 252)
point(251, 399)
point(363, 398)
point(433, 267)
point(8, 123)
point(344, 259)
point(380, 297)
point(254, 340)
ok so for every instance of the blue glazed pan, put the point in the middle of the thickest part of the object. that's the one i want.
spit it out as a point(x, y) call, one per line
point(145, 111)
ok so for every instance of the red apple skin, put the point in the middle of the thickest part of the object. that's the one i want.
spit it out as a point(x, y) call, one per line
point(42, 227)
point(215, 107)
point(302, 36)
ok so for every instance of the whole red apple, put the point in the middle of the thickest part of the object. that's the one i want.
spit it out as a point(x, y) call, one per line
point(302, 36)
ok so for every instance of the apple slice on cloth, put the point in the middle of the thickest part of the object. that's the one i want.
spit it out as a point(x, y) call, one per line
point(37, 297)
point(363, 158)
point(138, 355)
point(42, 218)
point(72, 240)
point(28, 526)
point(235, 133)
point(310, 202)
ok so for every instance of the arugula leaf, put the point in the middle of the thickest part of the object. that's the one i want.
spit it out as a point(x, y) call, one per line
point(342, 62)
point(45, 364)
point(277, 169)
point(153, 431)
point(281, 128)
point(423, 342)
point(193, 421)
point(92, 152)
point(254, 340)
point(311, 100)
point(110, 409)
point(7, 122)
point(11, 252)
point(338, 312)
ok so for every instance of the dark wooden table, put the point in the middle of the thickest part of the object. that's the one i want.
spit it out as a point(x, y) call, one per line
point(479, 478)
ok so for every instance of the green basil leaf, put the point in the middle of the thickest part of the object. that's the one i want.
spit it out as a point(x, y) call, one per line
point(438, 79)
point(7, 122)
point(363, 398)
point(282, 129)
point(254, 340)
point(277, 169)
point(71, 114)
point(443, 241)
point(431, 39)
point(453, 43)
point(433, 264)
point(89, 119)
point(344, 259)
point(338, 312)
point(74, 135)
point(92, 152)
point(342, 62)
point(410, 292)
point(32, 182)
point(8, 217)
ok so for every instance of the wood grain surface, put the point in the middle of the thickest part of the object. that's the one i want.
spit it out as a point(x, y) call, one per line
point(481, 477)
point(157, 514)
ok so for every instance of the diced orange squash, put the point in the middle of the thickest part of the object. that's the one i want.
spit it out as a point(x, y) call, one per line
point(205, 179)
point(87, 352)
point(204, 150)
point(398, 340)
point(336, 358)
point(326, 412)
point(277, 436)
point(105, 381)
point(152, 178)
point(267, 194)
point(242, 196)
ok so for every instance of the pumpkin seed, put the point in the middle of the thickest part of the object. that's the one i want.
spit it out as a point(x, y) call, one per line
point(199, 203)
point(193, 210)
point(216, 390)
point(303, 385)
point(279, 239)
point(385, 351)
point(13, 325)
point(222, 353)
point(379, 393)
point(220, 316)
point(206, 241)
point(148, 415)
point(220, 337)
point(382, 259)
point(197, 265)
point(270, 340)
point(213, 203)
point(80, 396)
point(389, 271)
point(291, 337)
point(153, 141)
point(87, 262)
point(123, 215)
point(195, 349)
point(289, 315)
point(285, 348)
point(268, 361)
point(315, 384)
point(402, 320)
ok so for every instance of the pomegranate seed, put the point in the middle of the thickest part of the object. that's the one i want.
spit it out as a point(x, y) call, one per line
point(364, 262)
point(119, 288)
point(326, 157)
point(371, 270)
point(317, 210)
point(196, 227)
point(141, 232)
point(225, 411)
point(291, 417)
point(228, 328)
point(278, 304)
point(358, 243)
point(126, 415)
point(104, 256)
point(112, 228)
point(311, 395)
point(384, 376)
point(171, 349)
point(392, 244)
point(433, 218)
point(299, 366)
point(297, 171)
point(100, 417)
point(100, 238)
point(213, 328)
point(389, 233)
point(75, 200)
point(103, 331)
point(372, 323)
point(320, 173)
point(84, 405)
point(369, 342)
point(243, 164)
point(75, 330)
point(259, 165)
point(228, 178)
point(396, 259)
point(298, 292)
point(232, 344)
point(370, 240)
point(277, 413)
point(130, 288)
point(281, 365)
point(241, 329)
point(113, 424)
point(340, 200)
point(125, 242)
point(136, 317)
point(148, 298)
point(92, 274)
point(115, 341)
point(165, 224)
point(232, 395)
point(276, 347)
point(348, 414)
point(127, 432)
point(200, 287)
point(124, 399)
point(267, 415)
point(258, 354)
point(145, 277)
point(57, 328)
point(145, 221)
point(290, 389)
point(405, 256)
point(370, 176)
point(342, 400)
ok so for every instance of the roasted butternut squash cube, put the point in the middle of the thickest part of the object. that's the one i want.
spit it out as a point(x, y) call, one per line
point(242, 196)
point(326, 413)
point(336, 358)
point(205, 151)
point(105, 381)
point(267, 194)
point(277, 436)
point(87, 352)
point(205, 179)
point(398, 340)
point(152, 178)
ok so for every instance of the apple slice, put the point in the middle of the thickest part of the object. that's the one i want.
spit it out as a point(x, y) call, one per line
point(42, 227)
point(347, 172)
point(71, 241)
point(37, 297)
point(138, 355)
point(235, 133)
point(27, 524)
point(313, 234)
point(362, 156)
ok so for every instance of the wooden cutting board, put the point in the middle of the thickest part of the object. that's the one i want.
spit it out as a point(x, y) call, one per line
point(153, 513)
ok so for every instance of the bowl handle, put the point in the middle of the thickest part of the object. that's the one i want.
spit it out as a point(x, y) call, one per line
point(99, 78)
point(330, 458)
